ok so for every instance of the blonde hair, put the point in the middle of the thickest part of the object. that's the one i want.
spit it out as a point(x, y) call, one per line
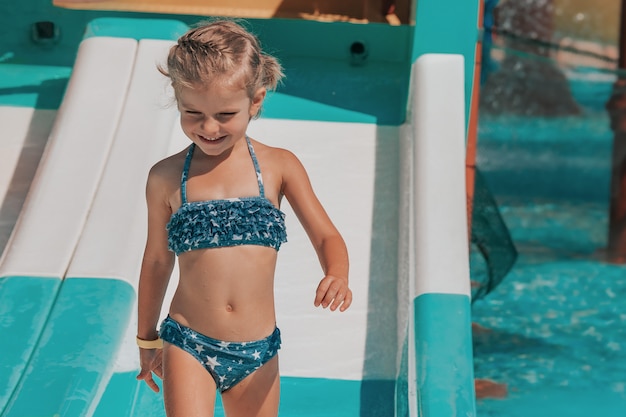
point(221, 51)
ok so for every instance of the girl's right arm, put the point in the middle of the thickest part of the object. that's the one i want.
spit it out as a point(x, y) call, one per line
point(156, 269)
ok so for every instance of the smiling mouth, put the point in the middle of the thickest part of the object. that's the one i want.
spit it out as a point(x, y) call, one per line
point(210, 139)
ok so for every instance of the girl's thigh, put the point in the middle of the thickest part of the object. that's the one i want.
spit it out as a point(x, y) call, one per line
point(188, 388)
point(258, 395)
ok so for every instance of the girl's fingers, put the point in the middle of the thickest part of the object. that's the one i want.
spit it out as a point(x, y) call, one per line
point(325, 296)
point(337, 300)
point(146, 376)
point(334, 294)
point(346, 301)
point(321, 292)
point(157, 366)
point(153, 385)
point(342, 301)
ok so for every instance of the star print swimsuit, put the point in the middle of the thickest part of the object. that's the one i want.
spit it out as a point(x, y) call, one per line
point(227, 362)
point(214, 224)
point(227, 222)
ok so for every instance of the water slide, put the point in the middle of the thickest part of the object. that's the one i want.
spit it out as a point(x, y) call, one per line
point(68, 274)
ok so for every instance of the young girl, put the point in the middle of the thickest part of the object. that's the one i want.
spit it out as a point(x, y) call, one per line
point(216, 206)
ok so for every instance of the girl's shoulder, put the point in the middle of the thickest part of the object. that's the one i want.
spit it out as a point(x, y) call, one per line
point(274, 155)
point(170, 163)
point(284, 165)
point(169, 169)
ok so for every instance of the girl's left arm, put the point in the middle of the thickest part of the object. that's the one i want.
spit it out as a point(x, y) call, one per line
point(333, 290)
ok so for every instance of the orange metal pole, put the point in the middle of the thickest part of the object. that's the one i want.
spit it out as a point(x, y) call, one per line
point(472, 127)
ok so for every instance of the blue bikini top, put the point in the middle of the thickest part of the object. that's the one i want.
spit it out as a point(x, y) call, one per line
point(227, 222)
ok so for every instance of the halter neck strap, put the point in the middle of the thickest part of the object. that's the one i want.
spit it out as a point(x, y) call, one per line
point(185, 174)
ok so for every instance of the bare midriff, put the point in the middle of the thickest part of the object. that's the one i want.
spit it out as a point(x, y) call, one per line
point(227, 293)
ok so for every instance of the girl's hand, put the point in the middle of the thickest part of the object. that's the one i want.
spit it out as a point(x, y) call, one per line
point(150, 360)
point(334, 292)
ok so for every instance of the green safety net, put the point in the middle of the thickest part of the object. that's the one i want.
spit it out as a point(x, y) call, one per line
point(493, 251)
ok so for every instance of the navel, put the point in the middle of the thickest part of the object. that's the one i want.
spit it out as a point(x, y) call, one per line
point(229, 308)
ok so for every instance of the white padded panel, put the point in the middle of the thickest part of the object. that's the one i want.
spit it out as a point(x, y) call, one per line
point(24, 135)
point(112, 243)
point(62, 190)
point(438, 124)
point(340, 159)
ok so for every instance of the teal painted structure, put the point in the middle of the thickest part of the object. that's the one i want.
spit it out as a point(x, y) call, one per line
point(76, 345)
point(120, 27)
point(25, 305)
point(450, 28)
point(442, 322)
point(443, 354)
point(93, 313)
point(125, 397)
point(35, 86)
point(375, 92)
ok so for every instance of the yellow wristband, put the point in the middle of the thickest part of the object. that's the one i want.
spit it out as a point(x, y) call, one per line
point(150, 344)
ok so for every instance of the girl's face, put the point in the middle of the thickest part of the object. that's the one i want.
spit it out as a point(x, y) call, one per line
point(215, 118)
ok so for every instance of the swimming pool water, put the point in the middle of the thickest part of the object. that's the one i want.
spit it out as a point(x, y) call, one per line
point(554, 329)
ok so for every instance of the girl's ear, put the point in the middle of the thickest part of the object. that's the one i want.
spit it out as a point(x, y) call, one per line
point(257, 101)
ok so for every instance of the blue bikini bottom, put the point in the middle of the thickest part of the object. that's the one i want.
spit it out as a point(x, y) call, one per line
point(227, 362)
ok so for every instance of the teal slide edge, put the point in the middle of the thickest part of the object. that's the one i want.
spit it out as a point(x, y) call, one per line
point(25, 304)
point(77, 349)
point(444, 355)
point(120, 27)
point(126, 397)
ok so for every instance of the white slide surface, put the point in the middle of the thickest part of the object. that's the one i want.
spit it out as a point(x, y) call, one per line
point(117, 119)
point(113, 237)
point(96, 178)
point(64, 185)
point(340, 159)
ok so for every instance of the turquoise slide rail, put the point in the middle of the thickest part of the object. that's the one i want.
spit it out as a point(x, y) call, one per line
point(439, 328)
point(438, 353)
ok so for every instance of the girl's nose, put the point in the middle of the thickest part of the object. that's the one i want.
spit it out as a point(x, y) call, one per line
point(210, 126)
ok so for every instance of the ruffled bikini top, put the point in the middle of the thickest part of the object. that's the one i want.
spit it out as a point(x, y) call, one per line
point(227, 222)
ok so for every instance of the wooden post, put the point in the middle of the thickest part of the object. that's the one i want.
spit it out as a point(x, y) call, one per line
point(616, 106)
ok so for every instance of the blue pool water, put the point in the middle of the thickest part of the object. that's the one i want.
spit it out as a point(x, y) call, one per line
point(554, 328)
